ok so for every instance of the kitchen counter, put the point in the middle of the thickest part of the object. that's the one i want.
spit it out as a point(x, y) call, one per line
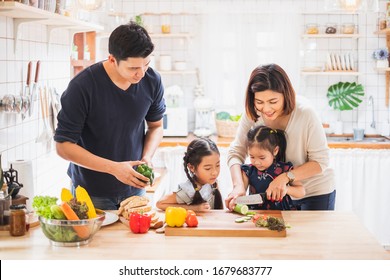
point(343, 141)
point(313, 235)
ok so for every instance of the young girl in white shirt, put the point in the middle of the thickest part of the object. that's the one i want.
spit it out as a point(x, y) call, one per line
point(200, 192)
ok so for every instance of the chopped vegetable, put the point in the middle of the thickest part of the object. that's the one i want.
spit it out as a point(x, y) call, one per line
point(241, 209)
point(146, 171)
point(42, 206)
point(83, 196)
point(270, 222)
point(175, 216)
point(80, 208)
point(66, 195)
point(139, 223)
point(240, 220)
point(222, 116)
point(57, 212)
point(82, 231)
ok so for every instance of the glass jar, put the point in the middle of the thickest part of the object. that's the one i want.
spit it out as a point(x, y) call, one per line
point(17, 220)
point(312, 28)
point(348, 28)
point(331, 28)
point(165, 24)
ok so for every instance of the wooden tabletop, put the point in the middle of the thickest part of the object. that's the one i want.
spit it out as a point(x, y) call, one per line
point(319, 235)
point(225, 142)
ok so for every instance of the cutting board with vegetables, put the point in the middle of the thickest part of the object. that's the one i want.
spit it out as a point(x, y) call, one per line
point(223, 223)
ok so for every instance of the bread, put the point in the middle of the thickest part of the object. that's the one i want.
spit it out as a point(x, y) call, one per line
point(139, 204)
point(135, 201)
point(132, 202)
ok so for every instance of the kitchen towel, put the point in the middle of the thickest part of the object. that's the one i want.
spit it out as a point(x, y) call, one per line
point(25, 177)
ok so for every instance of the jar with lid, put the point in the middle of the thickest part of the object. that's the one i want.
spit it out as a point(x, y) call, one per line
point(348, 28)
point(331, 28)
point(165, 24)
point(312, 28)
point(17, 220)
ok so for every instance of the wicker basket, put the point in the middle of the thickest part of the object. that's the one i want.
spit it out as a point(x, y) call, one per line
point(226, 128)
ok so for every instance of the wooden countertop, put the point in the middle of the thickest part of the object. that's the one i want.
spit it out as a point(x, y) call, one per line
point(319, 235)
point(225, 142)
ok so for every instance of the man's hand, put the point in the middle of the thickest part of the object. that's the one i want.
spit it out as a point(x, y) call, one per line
point(124, 172)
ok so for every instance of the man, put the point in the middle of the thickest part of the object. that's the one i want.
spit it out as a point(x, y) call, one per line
point(101, 126)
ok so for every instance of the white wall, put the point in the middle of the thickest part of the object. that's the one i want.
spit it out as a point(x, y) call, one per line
point(226, 84)
point(232, 37)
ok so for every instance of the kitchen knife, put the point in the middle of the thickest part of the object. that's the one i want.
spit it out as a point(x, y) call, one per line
point(32, 95)
point(26, 94)
point(251, 199)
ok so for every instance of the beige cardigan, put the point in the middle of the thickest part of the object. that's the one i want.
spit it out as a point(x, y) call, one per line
point(306, 140)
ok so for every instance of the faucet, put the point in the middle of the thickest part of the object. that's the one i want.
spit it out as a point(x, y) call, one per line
point(371, 103)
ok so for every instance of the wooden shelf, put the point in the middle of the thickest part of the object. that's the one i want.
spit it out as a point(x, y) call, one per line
point(328, 36)
point(81, 63)
point(185, 72)
point(171, 35)
point(331, 73)
point(22, 14)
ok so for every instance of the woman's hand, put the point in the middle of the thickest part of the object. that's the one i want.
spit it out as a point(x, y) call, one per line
point(230, 201)
point(124, 172)
point(277, 189)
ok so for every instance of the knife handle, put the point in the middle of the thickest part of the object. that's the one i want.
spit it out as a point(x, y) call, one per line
point(37, 71)
point(29, 73)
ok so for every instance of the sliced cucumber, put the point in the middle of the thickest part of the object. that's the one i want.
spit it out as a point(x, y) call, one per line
point(241, 208)
point(240, 220)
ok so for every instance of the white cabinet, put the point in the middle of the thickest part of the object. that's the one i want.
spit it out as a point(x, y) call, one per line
point(330, 44)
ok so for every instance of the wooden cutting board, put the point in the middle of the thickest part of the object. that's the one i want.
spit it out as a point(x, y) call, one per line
point(222, 223)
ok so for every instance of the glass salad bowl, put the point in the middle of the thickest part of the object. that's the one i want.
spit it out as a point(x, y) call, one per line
point(71, 233)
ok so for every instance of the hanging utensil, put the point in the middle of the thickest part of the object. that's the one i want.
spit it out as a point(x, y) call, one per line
point(34, 89)
point(45, 135)
point(25, 95)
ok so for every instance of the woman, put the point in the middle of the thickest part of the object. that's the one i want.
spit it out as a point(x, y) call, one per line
point(271, 101)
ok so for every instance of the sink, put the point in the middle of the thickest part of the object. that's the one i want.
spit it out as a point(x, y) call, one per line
point(365, 139)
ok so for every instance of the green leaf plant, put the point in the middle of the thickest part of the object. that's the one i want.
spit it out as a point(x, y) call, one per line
point(345, 96)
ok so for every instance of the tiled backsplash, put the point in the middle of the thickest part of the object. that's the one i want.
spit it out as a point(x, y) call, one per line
point(230, 39)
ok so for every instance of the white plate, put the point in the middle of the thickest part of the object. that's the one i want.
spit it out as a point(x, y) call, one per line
point(342, 60)
point(334, 65)
point(328, 62)
point(337, 57)
point(347, 65)
point(110, 219)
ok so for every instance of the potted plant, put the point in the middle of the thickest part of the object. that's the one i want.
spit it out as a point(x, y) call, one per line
point(344, 96)
point(381, 57)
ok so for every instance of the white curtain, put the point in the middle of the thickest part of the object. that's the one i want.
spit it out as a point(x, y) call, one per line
point(235, 41)
point(362, 186)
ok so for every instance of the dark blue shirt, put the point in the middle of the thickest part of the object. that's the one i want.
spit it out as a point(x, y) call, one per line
point(108, 122)
point(260, 180)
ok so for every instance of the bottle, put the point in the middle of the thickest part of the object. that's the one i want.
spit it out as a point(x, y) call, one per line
point(17, 220)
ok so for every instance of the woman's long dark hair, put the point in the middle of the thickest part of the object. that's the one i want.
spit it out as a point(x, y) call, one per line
point(267, 138)
point(196, 150)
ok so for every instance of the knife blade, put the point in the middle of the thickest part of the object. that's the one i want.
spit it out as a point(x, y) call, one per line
point(251, 199)
point(34, 89)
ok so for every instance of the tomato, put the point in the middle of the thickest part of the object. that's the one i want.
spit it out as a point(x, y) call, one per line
point(191, 220)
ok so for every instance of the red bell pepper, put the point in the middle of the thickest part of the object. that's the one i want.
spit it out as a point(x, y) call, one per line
point(139, 223)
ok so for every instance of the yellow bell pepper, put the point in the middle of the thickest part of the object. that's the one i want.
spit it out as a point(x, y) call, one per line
point(175, 216)
point(66, 195)
point(83, 196)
